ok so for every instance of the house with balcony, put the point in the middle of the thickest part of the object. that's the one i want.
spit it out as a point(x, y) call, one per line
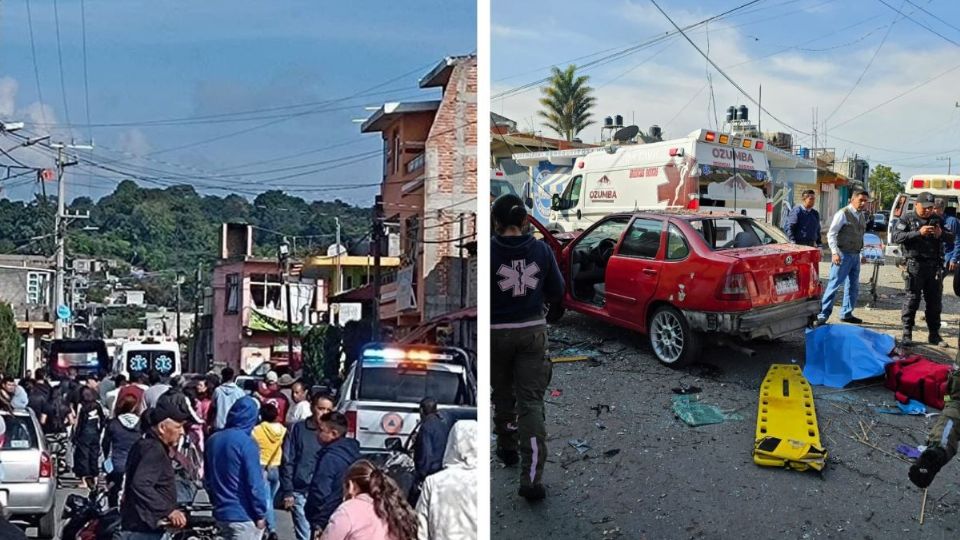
point(429, 191)
point(26, 284)
point(249, 308)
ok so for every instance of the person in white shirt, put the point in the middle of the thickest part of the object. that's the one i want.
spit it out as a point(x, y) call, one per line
point(845, 238)
point(301, 404)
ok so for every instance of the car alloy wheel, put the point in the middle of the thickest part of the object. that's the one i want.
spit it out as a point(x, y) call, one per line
point(666, 335)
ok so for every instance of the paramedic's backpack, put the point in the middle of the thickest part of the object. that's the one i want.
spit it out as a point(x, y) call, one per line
point(917, 377)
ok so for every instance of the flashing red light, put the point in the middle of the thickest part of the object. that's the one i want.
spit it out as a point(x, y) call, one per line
point(710, 136)
point(769, 207)
point(580, 165)
point(674, 152)
point(759, 145)
point(694, 203)
point(918, 183)
point(956, 184)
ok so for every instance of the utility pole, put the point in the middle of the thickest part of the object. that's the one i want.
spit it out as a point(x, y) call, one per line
point(60, 227)
point(339, 270)
point(463, 280)
point(197, 294)
point(948, 160)
point(284, 258)
point(179, 282)
point(376, 235)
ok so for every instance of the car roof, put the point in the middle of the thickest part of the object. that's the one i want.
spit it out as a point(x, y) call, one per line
point(681, 213)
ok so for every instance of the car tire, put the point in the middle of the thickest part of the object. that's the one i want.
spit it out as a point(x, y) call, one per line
point(674, 343)
point(555, 312)
point(47, 524)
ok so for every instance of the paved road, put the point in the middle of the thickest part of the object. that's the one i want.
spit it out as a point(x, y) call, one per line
point(284, 523)
point(667, 480)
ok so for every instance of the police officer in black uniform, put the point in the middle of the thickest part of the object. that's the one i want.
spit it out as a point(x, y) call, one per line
point(921, 233)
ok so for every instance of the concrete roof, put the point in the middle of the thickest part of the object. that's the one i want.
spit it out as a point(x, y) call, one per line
point(390, 111)
point(440, 74)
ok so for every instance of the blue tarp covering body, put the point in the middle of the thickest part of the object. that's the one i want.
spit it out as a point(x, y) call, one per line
point(840, 353)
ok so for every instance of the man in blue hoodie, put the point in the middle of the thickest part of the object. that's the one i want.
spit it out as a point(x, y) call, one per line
point(299, 461)
point(233, 476)
point(336, 456)
point(224, 397)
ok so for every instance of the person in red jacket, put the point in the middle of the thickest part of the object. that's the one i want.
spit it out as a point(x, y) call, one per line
point(270, 393)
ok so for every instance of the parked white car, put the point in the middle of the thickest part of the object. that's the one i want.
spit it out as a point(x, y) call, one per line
point(28, 491)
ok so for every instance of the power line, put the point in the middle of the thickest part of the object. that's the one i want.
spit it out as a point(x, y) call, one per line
point(865, 68)
point(937, 18)
point(720, 70)
point(33, 54)
point(918, 23)
point(63, 86)
point(86, 83)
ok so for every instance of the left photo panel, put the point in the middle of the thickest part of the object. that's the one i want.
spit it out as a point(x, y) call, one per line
point(238, 270)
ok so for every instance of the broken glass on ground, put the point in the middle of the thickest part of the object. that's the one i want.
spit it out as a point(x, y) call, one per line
point(688, 408)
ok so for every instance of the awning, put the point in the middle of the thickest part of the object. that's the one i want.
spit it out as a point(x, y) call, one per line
point(424, 329)
point(265, 323)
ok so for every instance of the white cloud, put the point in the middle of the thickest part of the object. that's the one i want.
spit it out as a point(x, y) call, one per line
point(134, 142)
point(502, 31)
point(8, 96)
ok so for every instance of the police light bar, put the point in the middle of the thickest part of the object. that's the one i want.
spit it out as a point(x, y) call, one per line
point(415, 355)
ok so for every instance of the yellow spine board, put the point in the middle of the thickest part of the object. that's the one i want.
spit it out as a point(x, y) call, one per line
point(787, 431)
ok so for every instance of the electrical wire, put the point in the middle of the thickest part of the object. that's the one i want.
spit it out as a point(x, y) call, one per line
point(935, 17)
point(36, 69)
point(63, 86)
point(86, 79)
point(920, 24)
point(722, 72)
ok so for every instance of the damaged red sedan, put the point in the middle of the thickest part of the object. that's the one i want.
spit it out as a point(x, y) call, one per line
point(682, 277)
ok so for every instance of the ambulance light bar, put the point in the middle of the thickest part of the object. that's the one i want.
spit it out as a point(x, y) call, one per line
point(415, 355)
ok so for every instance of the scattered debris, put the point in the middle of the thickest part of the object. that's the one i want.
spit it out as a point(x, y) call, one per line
point(910, 451)
point(600, 425)
point(686, 389)
point(912, 407)
point(689, 409)
point(556, 392)
point(580, 444)
point(923, 505)
point(564, 359)
point(600, 407)
point(612, 452)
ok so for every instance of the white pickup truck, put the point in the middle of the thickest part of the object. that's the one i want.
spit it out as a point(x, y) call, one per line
point(381, 394)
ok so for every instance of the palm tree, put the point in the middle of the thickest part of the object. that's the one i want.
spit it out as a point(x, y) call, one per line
point(567, 102)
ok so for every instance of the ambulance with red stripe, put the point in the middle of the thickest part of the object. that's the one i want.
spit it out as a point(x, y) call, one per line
point(707, 170)
point(941, 186)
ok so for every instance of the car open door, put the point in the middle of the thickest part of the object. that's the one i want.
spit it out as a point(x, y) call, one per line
point(544, 235)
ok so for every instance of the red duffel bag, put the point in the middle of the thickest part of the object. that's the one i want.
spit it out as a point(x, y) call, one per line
point(919, 378)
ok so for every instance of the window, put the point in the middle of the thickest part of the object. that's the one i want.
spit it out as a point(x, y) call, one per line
point(409, 386)
point(349, 284)
point(735, 233)
point(233, 294)
point(572, 192)
point(610, 230)
point(677, 247)
point(21, 434)
point(266, 290)
point(37, 288)
point(642, 239)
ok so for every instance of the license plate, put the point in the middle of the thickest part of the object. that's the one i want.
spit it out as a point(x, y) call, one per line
point(786, 284)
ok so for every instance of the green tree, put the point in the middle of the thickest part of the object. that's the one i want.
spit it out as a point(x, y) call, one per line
point(566, 102)
point(885, 185)
point(9, 342)
point(321, 353)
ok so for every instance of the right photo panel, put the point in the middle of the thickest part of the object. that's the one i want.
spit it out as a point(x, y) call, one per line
point(724, 269)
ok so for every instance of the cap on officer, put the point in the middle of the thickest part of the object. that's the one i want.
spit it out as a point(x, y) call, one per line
point(925, 198)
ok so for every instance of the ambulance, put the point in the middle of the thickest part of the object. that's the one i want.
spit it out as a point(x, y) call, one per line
point(942, 186)
point(152, 353)
point(707, 171)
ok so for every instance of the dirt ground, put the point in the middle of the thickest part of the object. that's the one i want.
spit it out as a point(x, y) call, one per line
point(649, 475)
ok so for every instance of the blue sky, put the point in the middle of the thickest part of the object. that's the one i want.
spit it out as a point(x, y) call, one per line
point(149, 60)
point(806, 54)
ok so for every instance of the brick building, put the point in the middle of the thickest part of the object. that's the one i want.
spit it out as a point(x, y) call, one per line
point(430, 194)
point(26, 283)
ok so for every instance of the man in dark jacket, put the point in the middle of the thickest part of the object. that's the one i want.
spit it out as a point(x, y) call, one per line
point(431, 440)
point(803, 221)
point(336, 456)
point(299, 461)
point(233, 476)
point(150, 494)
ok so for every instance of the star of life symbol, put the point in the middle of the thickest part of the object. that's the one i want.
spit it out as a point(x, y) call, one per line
point(518, 276)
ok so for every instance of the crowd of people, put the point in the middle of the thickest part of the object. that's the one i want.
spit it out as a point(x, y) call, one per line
point(255, 451)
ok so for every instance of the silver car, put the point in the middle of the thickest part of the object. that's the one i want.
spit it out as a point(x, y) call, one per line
point(28, 491)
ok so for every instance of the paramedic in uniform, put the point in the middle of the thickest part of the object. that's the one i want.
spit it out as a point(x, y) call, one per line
point(922, 236)
point(524, 276)
point(845, 238)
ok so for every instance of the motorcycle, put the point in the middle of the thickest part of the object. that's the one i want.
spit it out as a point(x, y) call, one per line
point(88, 518)
point(198, 528)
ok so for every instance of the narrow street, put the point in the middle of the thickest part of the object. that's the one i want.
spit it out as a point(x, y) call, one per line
point(646, 474)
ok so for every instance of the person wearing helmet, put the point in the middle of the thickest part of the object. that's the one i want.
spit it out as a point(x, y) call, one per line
point(525, 276)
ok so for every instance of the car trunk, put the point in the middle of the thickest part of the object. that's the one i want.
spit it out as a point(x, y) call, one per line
point(781, 272)
point(21, 453)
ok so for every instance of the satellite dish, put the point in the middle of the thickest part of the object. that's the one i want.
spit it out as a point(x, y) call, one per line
point(336, 249)
point(626, 134)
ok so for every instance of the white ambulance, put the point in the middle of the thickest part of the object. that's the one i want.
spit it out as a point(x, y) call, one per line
point(706, 171)
point(159, 354)
point(941, 186)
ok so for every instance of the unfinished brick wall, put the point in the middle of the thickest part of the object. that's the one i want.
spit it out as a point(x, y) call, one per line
point(450, 186)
